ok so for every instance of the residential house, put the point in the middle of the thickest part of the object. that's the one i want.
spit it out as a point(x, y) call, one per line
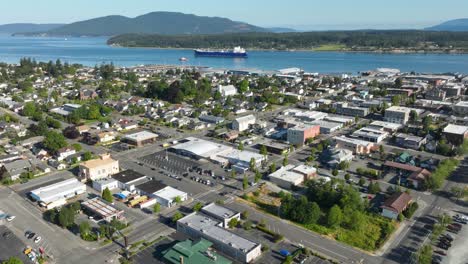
point(13, 170)
point(63, 153)
point(395, 205)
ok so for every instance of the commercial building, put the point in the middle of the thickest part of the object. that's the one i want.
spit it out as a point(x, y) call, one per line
point(66, 109)
point(148, 188)
point(397, 114)
point(409, 141)
point(106, 183)
point(357, 146)
point(227, 90)
point(345, 109)
point(241, 158)
point(345, 120)
point(199, 148)
point(56, 194)
point(201, 226)
point(102, 209)
point(369, 134)
point(218, 153)
point(140, 138)
point(220, 213)
point(211, 119)
point(193, 252)
point(327, 127)
point(127, 179)
point(292, 175)
point(100, 168)
point(299, 134)
point(385, 126)
point(395, 205)
point(455, 134)
point(334, 156)
point(167, 196)
point(461, 108)
point(243, 123)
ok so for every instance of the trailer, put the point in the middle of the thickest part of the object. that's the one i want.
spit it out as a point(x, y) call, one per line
point(147, 203)
point(137, 201)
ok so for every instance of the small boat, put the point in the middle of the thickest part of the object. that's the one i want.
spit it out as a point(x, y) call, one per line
point(183, 59)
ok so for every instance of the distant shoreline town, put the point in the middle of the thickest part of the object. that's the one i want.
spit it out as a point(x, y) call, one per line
point(183, 164)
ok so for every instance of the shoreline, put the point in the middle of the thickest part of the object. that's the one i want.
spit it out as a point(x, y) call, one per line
point(369, 51)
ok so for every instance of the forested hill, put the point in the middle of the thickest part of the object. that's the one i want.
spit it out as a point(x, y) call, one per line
point(27, 27)
point(153, 23)
point(330, 40)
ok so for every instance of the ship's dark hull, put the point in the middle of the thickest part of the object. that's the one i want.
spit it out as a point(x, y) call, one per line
point(220, 54)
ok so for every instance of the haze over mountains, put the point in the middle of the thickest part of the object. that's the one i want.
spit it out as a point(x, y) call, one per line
point(168, 23)
point(451, 25)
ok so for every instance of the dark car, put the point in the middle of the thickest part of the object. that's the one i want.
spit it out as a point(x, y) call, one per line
point(31, 235)
point(442, 246)
point(7, 234)
point(449, 237)
point(440, 252)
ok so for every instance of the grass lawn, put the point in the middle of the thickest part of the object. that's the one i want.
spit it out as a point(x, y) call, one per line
point(330, 47)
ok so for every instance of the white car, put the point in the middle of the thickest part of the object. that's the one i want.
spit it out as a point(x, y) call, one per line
point(38, 239)
point(10, 218)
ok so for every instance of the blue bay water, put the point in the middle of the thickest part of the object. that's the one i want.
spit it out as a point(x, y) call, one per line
point(92, 51)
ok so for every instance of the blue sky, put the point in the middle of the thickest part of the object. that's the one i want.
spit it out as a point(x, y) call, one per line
point(304, 14)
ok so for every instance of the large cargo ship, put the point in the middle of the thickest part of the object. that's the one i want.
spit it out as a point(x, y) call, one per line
point(237, 52)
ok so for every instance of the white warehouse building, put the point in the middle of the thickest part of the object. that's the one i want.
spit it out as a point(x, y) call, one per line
point(56, 194)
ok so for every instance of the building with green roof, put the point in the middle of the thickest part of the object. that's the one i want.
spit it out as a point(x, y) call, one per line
point(193, 252)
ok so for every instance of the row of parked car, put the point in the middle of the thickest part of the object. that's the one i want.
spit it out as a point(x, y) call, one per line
point(445, 241)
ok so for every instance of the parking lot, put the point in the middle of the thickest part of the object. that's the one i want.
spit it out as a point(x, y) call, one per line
point(178, 167)
point(11, 245)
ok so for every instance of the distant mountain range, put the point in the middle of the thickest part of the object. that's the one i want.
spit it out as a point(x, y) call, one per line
point(164, 23)
point(451, 25)
point(167, 23)
point(27, 27)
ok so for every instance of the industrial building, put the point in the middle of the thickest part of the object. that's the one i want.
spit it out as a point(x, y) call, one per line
point(102, 209)
point(292, 175)
point(56, 194)
point(140, 138)
point(220, 213)
point(198, 226)
point(243, 123)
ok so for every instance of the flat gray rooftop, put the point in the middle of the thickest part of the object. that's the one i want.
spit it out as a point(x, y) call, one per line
point(219, 211)
point(210, 228)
